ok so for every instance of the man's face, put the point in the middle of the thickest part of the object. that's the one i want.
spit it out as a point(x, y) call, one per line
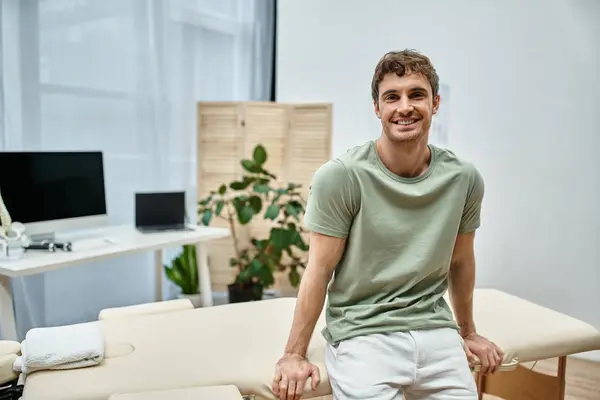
point(406, 107)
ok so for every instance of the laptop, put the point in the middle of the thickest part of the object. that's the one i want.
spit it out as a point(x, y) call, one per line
point(160, 212)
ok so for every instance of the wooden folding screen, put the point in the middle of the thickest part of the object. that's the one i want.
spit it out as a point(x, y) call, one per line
point(298, 141)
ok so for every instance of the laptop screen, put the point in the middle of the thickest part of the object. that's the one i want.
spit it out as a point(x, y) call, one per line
point(159, 209)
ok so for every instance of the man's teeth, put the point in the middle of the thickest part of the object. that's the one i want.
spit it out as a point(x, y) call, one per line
point(408, 122)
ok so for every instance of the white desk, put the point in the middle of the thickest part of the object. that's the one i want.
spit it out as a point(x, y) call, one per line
point(125, 240)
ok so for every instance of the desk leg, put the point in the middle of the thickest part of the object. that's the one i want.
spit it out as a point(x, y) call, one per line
point(7, 318)
point(158, 274)
point(204, 275)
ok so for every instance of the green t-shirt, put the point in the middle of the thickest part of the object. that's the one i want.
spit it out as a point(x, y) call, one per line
point(400, 238)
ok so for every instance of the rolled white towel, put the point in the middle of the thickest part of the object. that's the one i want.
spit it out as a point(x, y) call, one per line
point(62, 347)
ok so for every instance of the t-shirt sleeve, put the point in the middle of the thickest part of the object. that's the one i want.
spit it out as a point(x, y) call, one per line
point(332, 200)
point(471, 217)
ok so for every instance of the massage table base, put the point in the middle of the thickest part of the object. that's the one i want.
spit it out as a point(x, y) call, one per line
point(524, 384)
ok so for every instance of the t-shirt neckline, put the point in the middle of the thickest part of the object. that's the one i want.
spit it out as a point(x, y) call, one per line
point(399, 178)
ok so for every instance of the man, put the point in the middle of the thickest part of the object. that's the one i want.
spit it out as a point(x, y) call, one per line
point(395, 220)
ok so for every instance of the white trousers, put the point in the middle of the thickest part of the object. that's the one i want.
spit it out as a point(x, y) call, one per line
point(419, 365)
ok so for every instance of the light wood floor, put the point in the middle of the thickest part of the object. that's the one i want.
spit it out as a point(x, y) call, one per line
point(583, 378)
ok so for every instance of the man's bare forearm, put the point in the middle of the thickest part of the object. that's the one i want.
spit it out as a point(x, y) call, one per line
point(309, 305)
point(462, 285)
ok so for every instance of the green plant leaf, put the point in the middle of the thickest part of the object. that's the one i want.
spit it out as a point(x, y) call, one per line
point(245, 214)
point(255, 203)
point(233, 262)
point(183, 270)
point(207, 216)
point(260, 155)
point(238, 203)
point(294, 277)
point(299, 242)
point(266, 276)
point(237, 185)
point(173, 276)
point(189, 252)
point(282, 238)
point(261, 244)
point(219, 207)
point(255, 267)
point(250, 166)
point(261, 188)
point(205, 200)
point(244, 276)
point(222, 189)
point(272, 212)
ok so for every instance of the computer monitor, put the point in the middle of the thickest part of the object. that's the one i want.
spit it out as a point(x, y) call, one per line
point(53, 192)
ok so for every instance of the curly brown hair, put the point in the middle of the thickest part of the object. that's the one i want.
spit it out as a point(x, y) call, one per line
point(404, 62)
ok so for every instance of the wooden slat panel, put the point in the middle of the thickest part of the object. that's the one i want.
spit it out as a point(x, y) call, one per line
point(297, 139)
point(310, 142)
point(267, 125)
point(219, 145)
point(219, 151)
point(308, 147)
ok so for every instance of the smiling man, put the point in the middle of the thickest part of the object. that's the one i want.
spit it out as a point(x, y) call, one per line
point(393, 223)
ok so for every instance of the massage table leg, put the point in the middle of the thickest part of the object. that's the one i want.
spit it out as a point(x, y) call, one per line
point(525, 384)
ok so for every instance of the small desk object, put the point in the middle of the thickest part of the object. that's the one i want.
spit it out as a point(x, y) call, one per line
point(107, 242)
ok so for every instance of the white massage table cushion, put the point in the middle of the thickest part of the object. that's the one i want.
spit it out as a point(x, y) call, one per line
point(526, 331)
point(9, 351)
point(146, 309)
point(224, 392)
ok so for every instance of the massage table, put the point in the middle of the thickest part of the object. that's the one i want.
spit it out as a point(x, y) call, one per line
point(169, 350)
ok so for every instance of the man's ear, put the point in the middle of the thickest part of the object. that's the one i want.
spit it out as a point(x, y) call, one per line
point(376, 107)
point(436, 103)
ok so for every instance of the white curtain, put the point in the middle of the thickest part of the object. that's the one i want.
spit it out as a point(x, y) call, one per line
point(121, 76)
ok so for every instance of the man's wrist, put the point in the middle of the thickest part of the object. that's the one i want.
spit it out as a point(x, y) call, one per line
point(467, 329)
point(293, 354)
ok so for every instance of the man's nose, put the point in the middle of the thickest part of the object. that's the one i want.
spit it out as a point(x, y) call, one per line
point(404, 106)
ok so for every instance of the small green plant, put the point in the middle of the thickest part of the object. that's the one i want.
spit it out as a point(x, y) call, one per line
point(183, 270)
point(256, 194)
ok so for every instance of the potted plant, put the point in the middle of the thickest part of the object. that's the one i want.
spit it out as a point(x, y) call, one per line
point(257, 195)
point(183, 272)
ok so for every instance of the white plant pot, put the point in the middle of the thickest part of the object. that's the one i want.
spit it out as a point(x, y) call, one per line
point(196, 299)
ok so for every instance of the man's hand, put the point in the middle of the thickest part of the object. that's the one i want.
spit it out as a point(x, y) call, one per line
point(479, 348)
point(291, 373)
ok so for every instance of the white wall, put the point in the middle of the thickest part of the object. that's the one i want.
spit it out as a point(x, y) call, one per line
point(525, 106)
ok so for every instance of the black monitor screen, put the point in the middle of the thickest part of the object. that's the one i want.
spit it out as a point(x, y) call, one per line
point(46, 186)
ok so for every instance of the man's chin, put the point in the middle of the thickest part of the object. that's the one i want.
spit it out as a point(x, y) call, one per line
point(405, 136)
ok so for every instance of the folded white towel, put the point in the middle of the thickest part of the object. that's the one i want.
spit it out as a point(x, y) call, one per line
point(62, 347)
point(18, 364)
